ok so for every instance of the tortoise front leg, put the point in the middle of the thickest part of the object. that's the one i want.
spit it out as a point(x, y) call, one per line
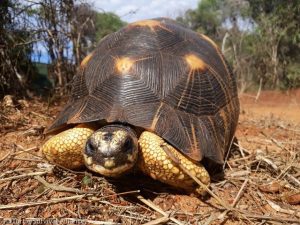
point(155, 162)
point(66, 148)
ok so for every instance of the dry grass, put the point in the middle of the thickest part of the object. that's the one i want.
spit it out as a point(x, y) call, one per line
point(261, 183)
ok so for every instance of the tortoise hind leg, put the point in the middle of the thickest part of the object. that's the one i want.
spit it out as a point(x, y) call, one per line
point(65, 148)
point(155, 162)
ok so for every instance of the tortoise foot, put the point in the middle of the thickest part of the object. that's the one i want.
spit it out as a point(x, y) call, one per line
point(155, 162)
point(65, 148)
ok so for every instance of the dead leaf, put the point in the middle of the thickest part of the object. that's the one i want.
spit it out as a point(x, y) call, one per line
point(270, 188)
point(293, 199)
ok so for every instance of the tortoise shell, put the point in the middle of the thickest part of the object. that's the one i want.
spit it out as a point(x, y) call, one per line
point(163, 77)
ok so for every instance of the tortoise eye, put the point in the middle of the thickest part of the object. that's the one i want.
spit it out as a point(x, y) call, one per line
point(128, 145)
point(89, 148)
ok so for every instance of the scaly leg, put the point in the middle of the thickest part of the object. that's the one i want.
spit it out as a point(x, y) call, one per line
point(154, 162)
point(66, 148)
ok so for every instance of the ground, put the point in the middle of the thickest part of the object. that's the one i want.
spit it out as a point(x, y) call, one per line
point(260, 184)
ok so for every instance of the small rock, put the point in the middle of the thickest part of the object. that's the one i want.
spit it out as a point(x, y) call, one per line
point(8, 101)
point(23, 103)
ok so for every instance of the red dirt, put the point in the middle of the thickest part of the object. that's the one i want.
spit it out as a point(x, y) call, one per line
point(284, 105)
point(268, 128)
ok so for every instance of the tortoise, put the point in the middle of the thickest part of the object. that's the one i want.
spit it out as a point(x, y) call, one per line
point(151, 86)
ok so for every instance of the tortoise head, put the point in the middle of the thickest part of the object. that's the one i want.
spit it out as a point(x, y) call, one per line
point(111, 150)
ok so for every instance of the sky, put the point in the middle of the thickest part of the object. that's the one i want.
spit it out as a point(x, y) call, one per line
point(133, 10)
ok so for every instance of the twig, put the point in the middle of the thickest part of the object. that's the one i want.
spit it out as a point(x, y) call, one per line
point(277, 208)
point(285, 173)
point(160, 220)
point(114, 195)
point(228, 152)
point(241, 173)
point(70, 211)
point(240, 147)
point(239, 193)
point(5, 156)
point(28, 159)
point(296, 181)
point(274, 141)
point(224, 42)
point(126, 207)
point(56, 187)
point(259, 156)
point(257, 201)
point(24, 150)
point(23, 176)
point(242, 151)
point(216, 216)
point(15, 171)
point(51, 201)
point(271, 218)
point(157, 209)
point(27, 189)
point(240, 159)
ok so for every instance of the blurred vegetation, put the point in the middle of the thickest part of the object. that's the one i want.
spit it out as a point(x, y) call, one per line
point(16, 68)
point(63, 31)
point(107, 23)
point(260, 39)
